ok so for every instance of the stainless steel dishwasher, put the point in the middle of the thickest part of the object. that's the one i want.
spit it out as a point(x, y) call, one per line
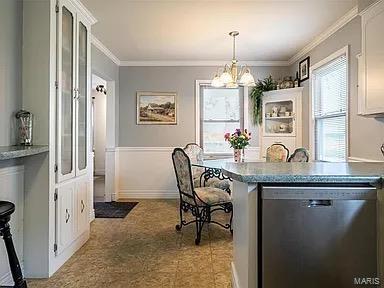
point(318, 237)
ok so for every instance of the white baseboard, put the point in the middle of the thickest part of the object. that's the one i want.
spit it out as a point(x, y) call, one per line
point(148, 194)
point(99, 198)
point(92, 216)
point(99, 172)
point(235, 278)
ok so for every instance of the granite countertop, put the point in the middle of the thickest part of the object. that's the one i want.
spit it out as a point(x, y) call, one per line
point(314, 172)
point(12, 152)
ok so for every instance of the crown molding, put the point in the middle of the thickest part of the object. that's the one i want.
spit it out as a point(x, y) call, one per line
point(105, 50)
point(207, 63)
point(87, 14)
point(351, 14)
point(201, 63)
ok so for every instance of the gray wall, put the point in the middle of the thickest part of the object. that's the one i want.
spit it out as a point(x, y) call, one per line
point(105, 68)
point(365, 134)
point(10, 68)
point(169, 79)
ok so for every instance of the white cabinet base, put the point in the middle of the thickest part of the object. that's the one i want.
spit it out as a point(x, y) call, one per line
point(72, 212)
point(59, 260)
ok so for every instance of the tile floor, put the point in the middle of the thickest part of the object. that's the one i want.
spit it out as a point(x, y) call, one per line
point(144, 250)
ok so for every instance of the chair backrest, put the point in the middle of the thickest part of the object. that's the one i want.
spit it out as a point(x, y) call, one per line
point(300, 155)
point(194, 152)
point(182, 166)
point(277, 153)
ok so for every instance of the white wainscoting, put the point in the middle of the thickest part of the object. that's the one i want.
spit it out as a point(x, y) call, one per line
point(147, 172)
point(12, 189)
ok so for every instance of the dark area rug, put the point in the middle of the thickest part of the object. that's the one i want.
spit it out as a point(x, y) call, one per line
point(113, 209)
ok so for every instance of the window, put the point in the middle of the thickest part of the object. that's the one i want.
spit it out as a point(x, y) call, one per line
point(221, 111)
point(329, 104)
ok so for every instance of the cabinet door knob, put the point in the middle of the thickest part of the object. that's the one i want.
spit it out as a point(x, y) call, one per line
point(82, 206)
point(67, 215)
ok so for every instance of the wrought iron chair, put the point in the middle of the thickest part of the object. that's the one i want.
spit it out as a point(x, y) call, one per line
point(201, 201)
point(277, 153)
point(195, 154)
point(300, 155)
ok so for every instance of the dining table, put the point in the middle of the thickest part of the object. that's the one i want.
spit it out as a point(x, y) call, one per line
point(213, 169)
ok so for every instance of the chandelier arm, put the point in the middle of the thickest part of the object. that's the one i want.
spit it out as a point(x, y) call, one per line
point(243, 69)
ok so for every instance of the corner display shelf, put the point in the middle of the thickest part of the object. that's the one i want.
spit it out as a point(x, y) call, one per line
point(282, 112)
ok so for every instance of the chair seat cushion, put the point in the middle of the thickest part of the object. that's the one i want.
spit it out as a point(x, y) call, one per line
point(212, 195)
point(217, 183)
point(6, 208)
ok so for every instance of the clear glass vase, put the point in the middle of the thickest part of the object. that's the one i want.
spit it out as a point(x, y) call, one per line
point(237, 154)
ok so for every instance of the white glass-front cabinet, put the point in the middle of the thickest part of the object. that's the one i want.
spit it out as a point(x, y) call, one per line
point(282, 119)
point(73, 123)
point(73, 93)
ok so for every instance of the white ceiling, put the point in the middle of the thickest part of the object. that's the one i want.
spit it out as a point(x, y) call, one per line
point(198, 30)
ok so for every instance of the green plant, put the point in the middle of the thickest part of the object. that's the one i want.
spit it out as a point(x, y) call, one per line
point(262, 86)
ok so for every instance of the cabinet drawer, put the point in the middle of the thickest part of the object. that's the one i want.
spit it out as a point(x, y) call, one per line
point(289, 142)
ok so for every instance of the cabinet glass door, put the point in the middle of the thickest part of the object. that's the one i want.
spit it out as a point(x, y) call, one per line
point(279, 118)
point(66, 94)
point(82, 98)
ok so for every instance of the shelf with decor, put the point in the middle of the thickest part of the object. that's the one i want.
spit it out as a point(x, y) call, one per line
point(281, 119)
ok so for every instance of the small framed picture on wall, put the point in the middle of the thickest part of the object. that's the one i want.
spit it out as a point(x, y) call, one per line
point(156, 108)
point(304, 69)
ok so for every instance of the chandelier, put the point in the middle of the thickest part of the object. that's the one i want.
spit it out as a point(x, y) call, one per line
point(232, 72)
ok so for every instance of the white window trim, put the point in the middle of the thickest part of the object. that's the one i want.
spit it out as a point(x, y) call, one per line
point(197, 109)
point(338, 53)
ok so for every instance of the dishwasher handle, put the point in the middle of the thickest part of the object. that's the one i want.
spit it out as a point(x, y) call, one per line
point(319, 203)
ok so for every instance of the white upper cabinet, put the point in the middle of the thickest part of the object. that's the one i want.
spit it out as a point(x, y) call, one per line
point(371, 61)
point(73, 86)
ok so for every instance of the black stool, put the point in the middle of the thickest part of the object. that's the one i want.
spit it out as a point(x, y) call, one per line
point(6, 209)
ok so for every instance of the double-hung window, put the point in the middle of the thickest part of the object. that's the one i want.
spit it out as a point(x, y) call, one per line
point(329, 108)
point(221, 111)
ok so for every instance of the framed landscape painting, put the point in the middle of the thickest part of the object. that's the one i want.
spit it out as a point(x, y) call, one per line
point(156, 108)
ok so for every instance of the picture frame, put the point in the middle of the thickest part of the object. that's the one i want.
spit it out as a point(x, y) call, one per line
point(156, 108)
point(304, 69)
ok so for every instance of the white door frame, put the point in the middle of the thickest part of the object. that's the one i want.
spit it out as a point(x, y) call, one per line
point(110, 144)
point(110, 140)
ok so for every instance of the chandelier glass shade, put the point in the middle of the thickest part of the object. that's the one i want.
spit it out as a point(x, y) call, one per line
point(231, 76)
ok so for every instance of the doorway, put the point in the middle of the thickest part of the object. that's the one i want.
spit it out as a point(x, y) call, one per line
point(99, 123)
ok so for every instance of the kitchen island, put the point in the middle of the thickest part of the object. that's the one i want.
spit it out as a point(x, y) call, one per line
point(319, 185)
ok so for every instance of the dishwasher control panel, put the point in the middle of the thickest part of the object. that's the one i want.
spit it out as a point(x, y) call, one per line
point(316, 192)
